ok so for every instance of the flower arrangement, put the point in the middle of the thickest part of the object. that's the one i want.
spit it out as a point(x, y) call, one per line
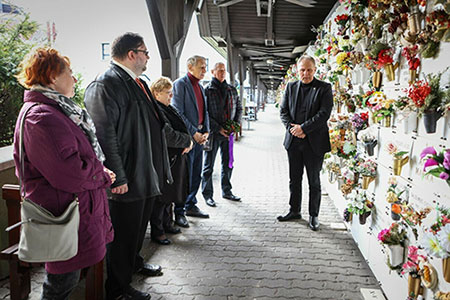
point(232, 126)
point(381, 54)
point(343, 61)
point(341, 19)
point(359, 203)
point(392, 149)
point(360, 121)
point(418, 91)
point(410, 53)
point(394, 235)
point(384, 109)
point(436, 164)
point(412, 265)
point(393, 194)
point(404, 103)
point(436, 240)
point(366, 136)
point(367, 168)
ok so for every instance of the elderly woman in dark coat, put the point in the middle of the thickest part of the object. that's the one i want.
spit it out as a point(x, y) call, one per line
point(179, 142)
point(62, 158)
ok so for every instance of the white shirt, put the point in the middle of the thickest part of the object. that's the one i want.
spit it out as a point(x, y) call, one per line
point(131, 73)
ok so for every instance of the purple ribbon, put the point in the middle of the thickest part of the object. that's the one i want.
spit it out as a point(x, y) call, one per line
point(230, 150)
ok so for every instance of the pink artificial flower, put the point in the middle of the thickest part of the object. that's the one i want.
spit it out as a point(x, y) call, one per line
point(447, 159)
point(391, 148)
point(382, 234)
point(427, 151)
point(430, 162)
point(444, 176)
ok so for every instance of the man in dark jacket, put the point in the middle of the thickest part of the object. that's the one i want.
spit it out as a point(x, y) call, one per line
point(304, 111)
point(223, 105)
point(129, 129)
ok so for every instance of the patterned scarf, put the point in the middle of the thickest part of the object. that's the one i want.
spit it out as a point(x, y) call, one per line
point(77, 114)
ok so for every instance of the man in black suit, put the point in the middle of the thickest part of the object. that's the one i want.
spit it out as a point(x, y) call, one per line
point(304, 111)
point(130, 131)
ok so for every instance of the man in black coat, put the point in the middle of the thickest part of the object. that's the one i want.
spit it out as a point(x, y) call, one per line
point(223, 105)
point(129, 129)
point(305, 110)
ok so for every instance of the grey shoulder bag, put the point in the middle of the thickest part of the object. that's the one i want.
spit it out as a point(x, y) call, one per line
point(44, 237)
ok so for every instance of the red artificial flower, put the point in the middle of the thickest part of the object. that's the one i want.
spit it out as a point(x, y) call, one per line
point(384, 58)
point(418, 91)
point(364, 116)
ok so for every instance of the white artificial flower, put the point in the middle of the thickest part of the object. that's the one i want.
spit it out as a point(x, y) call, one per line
point(431, 244)
point(444, 238)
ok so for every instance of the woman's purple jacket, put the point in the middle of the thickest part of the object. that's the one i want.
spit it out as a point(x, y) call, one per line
point(59, 164)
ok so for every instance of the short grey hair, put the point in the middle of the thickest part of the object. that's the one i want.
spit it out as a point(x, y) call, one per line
point(217, 64)
point(307, 57)
point(193, 60)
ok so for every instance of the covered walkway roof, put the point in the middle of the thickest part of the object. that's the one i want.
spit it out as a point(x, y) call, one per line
point(263, 36)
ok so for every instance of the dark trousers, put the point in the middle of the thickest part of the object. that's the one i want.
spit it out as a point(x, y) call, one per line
point(59, 286)
point(161, 218)
point(222, 143)
point(130, 221)
point(195, 160)
point(300, 155)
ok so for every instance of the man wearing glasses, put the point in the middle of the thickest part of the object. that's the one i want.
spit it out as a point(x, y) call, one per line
point(129, 129)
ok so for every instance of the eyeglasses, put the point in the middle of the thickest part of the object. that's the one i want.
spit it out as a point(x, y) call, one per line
point(139, 50)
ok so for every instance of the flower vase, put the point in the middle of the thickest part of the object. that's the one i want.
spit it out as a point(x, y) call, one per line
point(409, 121)
point(370, 146)
point(398, 165)
point(355, 177)
point(387, 121)
point(414, 20)
point(338, 108)
point(413, 286)
point(396, 255)
point(366, 180)
point(363, 217)
point(446, 268)
point(412, 76)
point(394, 216)
point(390, 71)
point(430, 119)
point(342, 134)
point(332, 176)
point(376, 79)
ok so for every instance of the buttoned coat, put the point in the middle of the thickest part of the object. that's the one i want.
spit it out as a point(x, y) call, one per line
point(59, 163)
point(318, 111)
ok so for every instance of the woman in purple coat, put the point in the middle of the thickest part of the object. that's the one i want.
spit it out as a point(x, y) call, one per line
point(62, 159)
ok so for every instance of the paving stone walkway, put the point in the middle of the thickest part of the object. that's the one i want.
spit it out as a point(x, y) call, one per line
point(242, 251)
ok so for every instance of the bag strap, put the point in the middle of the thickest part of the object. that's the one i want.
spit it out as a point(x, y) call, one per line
point(21, 151)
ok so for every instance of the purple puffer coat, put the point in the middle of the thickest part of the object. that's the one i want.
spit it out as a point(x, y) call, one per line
point(60, 163)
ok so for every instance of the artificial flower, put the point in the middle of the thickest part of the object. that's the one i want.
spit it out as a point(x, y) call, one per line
point(444, 237)
point(426, 151)
point(431, 244)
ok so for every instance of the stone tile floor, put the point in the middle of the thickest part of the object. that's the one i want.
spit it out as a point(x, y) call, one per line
point(242, 251)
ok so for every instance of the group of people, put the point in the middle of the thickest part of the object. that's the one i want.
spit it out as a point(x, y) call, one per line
point(136, 155)
point(133, 156)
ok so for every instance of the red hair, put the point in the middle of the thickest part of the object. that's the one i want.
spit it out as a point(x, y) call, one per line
point(41, 66)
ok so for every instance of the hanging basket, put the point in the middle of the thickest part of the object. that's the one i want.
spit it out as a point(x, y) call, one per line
point(396, 255)
point(370, 146)
point(446, 268)
point(413, 286)
point(376, 79)
point(366, 180)
point(409, 121)
point(398, 165)
point(430, 119)
point(390, 71)
point(363, 218)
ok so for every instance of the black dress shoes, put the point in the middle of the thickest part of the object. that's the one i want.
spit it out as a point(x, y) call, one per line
point(210, 202)
point(196, 212)
point(181, 221)
point(290, 216)
point(172, 230)
point(314, 223)
point(132, 294)
point(162, 241)
point(232, 197)
point(150, 270)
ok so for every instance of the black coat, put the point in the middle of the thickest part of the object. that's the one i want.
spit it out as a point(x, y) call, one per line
point(317, 114)
point(178, 138)
point(121, 112)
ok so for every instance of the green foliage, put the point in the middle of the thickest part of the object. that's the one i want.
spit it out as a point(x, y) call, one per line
point(435, 100)
point(79, 91)
point(14, 45)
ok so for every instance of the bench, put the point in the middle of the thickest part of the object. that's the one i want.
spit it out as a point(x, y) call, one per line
point(19, 271)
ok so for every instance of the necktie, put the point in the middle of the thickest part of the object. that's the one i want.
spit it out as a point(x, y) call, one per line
point(141, 85)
